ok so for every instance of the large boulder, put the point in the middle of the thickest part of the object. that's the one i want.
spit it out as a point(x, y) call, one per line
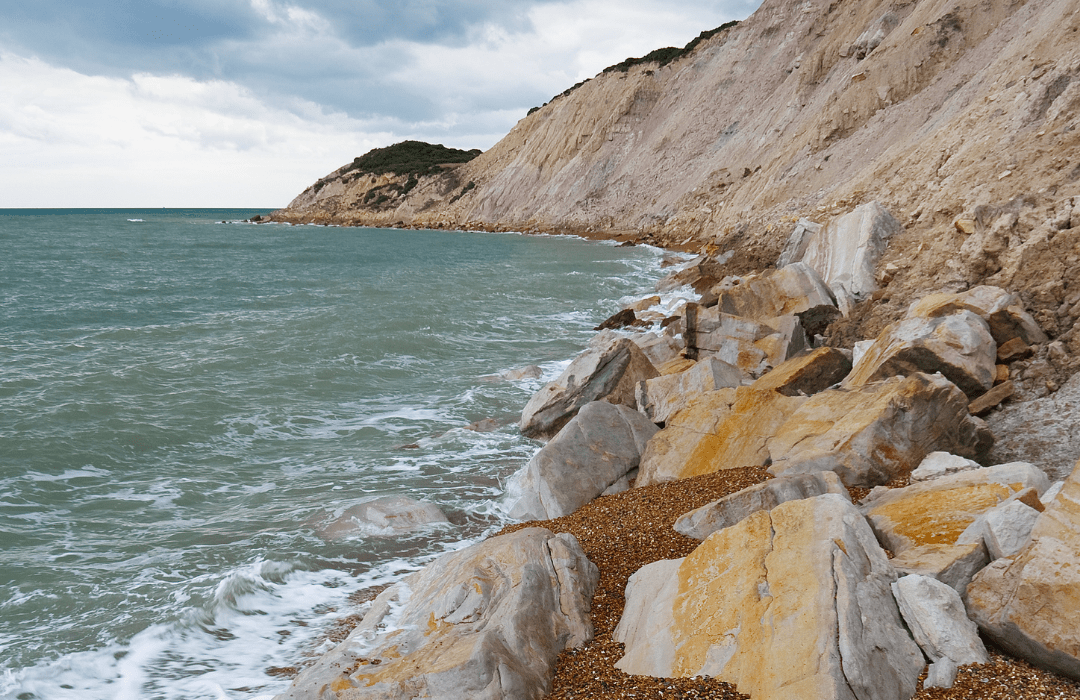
point(609, 369)
point(662, 397)
point(808, 373)
point(784, 292)
point(1030, 604)
point(924, 524)
point(845, 252)
point(939, 511)
point(723, 429)
point(736, 507)
point(1003, 312)
point(788, 604)
point(752, 346)
point(958, 345)
point(935, 614)
point(878, 432)
point(594, 450)
point(484, 622)
point(385, 516)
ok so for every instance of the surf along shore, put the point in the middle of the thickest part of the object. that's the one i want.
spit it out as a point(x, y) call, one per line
point(734, 418)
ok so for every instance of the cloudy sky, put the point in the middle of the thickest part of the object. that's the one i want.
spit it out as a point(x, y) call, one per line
point(243, 103)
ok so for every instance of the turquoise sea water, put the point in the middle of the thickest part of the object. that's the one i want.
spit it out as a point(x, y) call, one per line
point(183, 400)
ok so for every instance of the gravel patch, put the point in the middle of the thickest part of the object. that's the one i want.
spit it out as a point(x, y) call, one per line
point(624, 532)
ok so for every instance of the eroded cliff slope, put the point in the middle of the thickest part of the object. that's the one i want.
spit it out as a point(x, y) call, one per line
point(939, 109)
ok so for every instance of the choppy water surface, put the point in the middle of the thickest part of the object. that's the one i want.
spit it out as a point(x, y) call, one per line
point(180, 399)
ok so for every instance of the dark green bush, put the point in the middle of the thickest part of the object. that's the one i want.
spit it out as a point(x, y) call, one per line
point(409, 158)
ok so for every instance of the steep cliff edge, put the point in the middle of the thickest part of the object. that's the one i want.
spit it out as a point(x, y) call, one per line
point(939, 109)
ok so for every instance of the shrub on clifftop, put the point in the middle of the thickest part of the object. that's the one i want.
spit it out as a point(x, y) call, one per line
point(409, 158)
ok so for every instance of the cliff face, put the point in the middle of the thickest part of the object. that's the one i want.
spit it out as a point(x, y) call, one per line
point(939, 109)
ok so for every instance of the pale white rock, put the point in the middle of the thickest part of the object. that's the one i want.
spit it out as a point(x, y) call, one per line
point(734, 508)
point(384, 516)
point(795, 602)
point(729, 338)
point(935, 614)
point(662, 397)
point(845, 253)
point(1030, 603)
point(483, 622)
point(609, 369)
point(941, 674)
point(859, 350)
point(1051, 493)
point(938, 464)
point(594, 450)
point(1008, 529)
point(797, 243)
point(959, 346)
point(660, 348)
point(1005, 529)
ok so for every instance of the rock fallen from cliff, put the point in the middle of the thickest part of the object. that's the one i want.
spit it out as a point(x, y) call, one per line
point(789, 290)
point(938, 621)
point(486, 621)
point(750, 345)
point(1030, 604)
point(593, 451)
point(733, 509)
point(807, 374)
point(923, 524)
point(791, 603)
point(664, 396)
point(1003, 312)
point(958, 345)
point(878, 432)
point(723, 429)
point(609, 369)
point(846, 251)
point(1006, 528)
point(385, 516)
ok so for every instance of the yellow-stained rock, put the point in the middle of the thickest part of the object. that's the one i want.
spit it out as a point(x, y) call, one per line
point(937, 512)
point(789, 290)
point(952, 564)
point(722, 429)
point(1030, 604)
point(788, 604)
point(877, 432)
point(806, 374)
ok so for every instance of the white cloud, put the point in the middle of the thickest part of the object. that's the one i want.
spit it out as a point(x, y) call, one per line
point(75, 140)
point(72, 140)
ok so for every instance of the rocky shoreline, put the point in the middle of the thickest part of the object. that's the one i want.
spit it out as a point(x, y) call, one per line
point(725, 504)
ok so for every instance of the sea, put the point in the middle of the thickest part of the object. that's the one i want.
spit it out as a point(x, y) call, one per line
point(187, 399)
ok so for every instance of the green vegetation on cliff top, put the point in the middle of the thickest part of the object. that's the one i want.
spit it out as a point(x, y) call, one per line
point(409, 158)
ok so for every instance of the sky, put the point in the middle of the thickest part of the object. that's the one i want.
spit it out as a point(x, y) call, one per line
point(244, 103)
